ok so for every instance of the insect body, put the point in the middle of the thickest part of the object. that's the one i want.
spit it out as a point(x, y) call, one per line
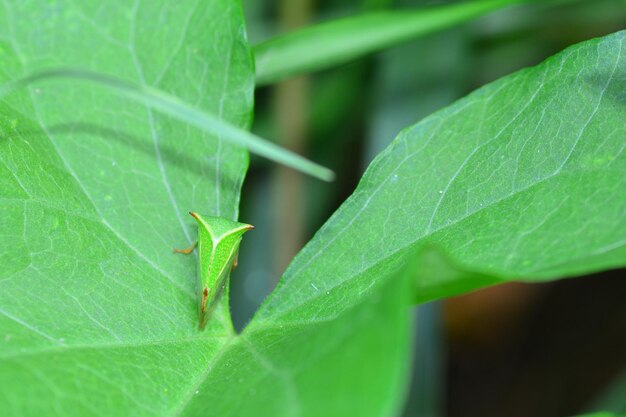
point(218, 244)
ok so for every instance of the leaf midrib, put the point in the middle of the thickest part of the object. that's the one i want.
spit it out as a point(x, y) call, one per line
point(63, 349)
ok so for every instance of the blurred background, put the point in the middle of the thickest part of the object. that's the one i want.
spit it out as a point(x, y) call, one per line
point(514, 350)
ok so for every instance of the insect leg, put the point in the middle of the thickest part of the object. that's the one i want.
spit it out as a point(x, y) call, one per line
point(188, 250)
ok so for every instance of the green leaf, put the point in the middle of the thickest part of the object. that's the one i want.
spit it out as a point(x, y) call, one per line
point(336, 42)
point(519, 180)
point(97, 316)
point(171, 106)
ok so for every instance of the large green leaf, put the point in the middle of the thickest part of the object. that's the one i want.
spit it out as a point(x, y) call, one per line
point(96, 313)
point(522, 179)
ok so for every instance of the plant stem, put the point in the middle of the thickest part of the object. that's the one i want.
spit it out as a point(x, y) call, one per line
point(291, 105)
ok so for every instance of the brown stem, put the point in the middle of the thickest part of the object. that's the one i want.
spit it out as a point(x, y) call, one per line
point(291, 100)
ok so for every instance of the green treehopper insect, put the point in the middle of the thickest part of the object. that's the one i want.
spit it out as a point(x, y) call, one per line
point(218, 244)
